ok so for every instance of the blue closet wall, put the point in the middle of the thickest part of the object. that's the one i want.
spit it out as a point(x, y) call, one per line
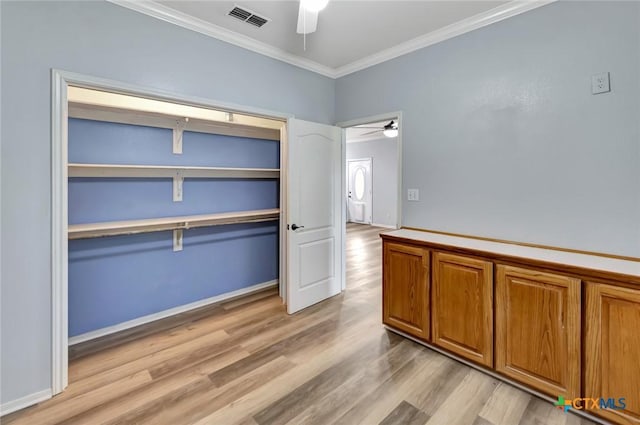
point(120, 278)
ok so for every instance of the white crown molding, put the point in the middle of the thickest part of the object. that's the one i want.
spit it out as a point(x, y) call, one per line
point(480, 20)
point(167, 14)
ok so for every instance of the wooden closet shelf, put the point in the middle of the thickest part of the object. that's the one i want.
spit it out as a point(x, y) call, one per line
point(129, 227)
point(125, 109)
point(114, 171)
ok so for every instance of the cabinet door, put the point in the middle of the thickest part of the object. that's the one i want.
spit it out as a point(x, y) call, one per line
point(462, 305)
point(538, 330)
point(612, 350)
point(406, 289)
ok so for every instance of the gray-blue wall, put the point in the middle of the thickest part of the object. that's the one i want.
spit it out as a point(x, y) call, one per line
point(103, 40)
point(502, 135)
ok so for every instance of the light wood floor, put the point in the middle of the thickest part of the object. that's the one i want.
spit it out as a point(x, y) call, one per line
point(248, 362)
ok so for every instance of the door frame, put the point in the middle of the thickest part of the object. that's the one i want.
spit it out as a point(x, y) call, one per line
point(369, 180)
point(397, 115)
point(60, 80)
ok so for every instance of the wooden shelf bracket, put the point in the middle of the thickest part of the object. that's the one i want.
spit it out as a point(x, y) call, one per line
point(178, 131)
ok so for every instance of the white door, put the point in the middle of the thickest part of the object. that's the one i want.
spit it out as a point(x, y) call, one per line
point(359, 190)
point(315, 222)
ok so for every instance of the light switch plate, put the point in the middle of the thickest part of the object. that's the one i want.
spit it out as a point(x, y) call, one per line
point(600, 83)
point(413, 195)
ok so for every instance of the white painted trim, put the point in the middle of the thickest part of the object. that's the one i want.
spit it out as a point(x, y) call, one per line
point(170, 312)
point(397, 115)
point(480, 20)
point(167, 14)
point(26, 401)
point(192, 23)
point(59, 227)
point(385, 226)
point(343, 206)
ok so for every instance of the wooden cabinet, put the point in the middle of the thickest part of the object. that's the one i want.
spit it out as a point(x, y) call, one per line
point(612, 349)
point(462, 306)
point(406, 289)
point(538, 329)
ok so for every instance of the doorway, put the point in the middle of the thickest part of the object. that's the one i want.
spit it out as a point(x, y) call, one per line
point(372, 152)
point(359, 191)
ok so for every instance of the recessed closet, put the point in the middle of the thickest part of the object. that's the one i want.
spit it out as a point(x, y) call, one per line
point(170, 207)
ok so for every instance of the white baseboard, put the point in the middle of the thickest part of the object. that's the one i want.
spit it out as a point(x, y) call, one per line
point(386, 226)
point(26, 401)
point(166, 313)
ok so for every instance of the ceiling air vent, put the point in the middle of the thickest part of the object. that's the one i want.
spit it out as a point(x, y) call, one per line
point(248, 16)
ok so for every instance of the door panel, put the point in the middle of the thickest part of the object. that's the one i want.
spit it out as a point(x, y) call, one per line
point(538, 329)
point(406, 289)
point(462, 304)
point(612, 349)
point(359, 191)
point(314, 199)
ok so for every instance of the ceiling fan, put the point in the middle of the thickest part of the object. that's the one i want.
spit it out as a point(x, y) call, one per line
point(308, 15)
point(389, 130)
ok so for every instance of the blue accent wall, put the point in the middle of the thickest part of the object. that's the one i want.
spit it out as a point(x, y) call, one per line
point(110, 143)
point(120, 278)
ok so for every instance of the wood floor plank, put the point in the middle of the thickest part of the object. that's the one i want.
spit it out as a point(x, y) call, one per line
point(205, 342)
point(540, 412)
point(405, 414)
point(472, 393)
point(376, 404)
point(293, 403)
point(188, 408)
point(329, 408)
point(438, 386)
point(55, 413)
point(280, 386)
point(506, 405)
point(113, 357)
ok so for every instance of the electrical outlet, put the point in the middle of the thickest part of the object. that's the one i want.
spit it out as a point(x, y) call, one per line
point(413, 195)
point(600, 83)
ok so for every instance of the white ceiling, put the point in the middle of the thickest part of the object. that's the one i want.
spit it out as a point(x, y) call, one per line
point(351, 34)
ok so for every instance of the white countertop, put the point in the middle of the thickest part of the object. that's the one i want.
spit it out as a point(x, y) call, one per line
point(585, 261)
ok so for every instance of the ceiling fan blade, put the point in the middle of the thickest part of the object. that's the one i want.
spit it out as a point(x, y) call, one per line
point(362, 126)
point(371, 132)
point(307, 21)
